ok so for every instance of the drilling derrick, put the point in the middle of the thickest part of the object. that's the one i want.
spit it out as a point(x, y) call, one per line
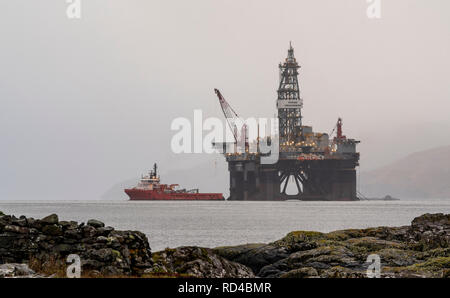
point(289, 103)
point(319, 166)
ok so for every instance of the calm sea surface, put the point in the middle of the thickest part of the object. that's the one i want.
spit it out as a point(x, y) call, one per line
point(210, 224)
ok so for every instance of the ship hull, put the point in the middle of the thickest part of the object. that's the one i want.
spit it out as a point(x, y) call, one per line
point(152, 195)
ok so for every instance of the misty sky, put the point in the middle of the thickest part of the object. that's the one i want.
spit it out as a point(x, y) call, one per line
point(88, 103)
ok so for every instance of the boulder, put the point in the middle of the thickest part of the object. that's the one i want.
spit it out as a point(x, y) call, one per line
point(430, 231)
point(50, 220)
point(16, 270)
point(52, 229)
point(16, 229)
point(196, 262)
point(304, 272)
point(254, 256)
point(95, 223)
point(341, 272)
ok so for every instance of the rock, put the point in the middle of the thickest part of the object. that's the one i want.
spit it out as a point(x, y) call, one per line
point(45, 245)
point(16, 229)
point(50, 220)
point(397, 257)
point(419, 250)
point(254, 256)
point(430, 231)
point(341, 272)
point(104, 254)
point(68, 224)
point(301, 273)
point(427, 221)
point(33, 223)
point(88, 231)
point(432, 268)
point(300, 240)
point(343, 253)
point(16, 270)
point(330, 255)
point(21, 222)
point(90, 264)
point(64, 248)
point(434, 253)
point(104, 231)
point(7, 270)
point(197, 262)
point(370, 244)
point(111, 271)
point(73, 234)
point(52, 230)
point(102, 239)
point(95, 223)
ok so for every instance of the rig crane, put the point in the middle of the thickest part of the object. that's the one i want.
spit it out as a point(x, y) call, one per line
point(338, 128)
point(233, 120)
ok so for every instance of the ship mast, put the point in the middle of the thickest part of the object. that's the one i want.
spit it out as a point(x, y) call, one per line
point(155, 167)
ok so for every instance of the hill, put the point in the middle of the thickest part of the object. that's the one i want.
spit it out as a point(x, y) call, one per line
point(424, 174)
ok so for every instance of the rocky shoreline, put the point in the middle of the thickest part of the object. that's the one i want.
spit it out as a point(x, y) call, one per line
point(39, 248)
point(45, 244)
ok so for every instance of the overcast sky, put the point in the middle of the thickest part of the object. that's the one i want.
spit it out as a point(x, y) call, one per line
point(88, 103)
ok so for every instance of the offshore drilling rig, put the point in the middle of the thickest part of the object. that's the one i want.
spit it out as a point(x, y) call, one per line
point(323, 168)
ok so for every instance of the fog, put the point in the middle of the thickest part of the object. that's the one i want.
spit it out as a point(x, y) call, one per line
point(88, 103)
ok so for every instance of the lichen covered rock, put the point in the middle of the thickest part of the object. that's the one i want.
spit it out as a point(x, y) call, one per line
point(255, 256)
point(196, 262)
point(419, 250)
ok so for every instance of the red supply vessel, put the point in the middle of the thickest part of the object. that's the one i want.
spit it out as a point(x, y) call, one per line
point(149, 189)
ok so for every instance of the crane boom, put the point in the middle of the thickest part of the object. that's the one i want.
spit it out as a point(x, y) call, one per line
point(231, 116)
point(338, 128)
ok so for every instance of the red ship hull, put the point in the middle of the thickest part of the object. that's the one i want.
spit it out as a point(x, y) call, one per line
point(154, 195)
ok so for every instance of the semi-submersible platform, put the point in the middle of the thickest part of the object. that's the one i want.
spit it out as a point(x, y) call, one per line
point(322, 167)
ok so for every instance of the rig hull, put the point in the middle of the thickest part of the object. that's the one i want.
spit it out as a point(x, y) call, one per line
point(317, 180)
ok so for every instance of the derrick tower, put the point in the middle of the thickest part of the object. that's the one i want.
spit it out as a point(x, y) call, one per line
point(289, 102)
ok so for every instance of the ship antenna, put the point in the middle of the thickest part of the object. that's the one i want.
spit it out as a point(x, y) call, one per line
point(154, 168)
